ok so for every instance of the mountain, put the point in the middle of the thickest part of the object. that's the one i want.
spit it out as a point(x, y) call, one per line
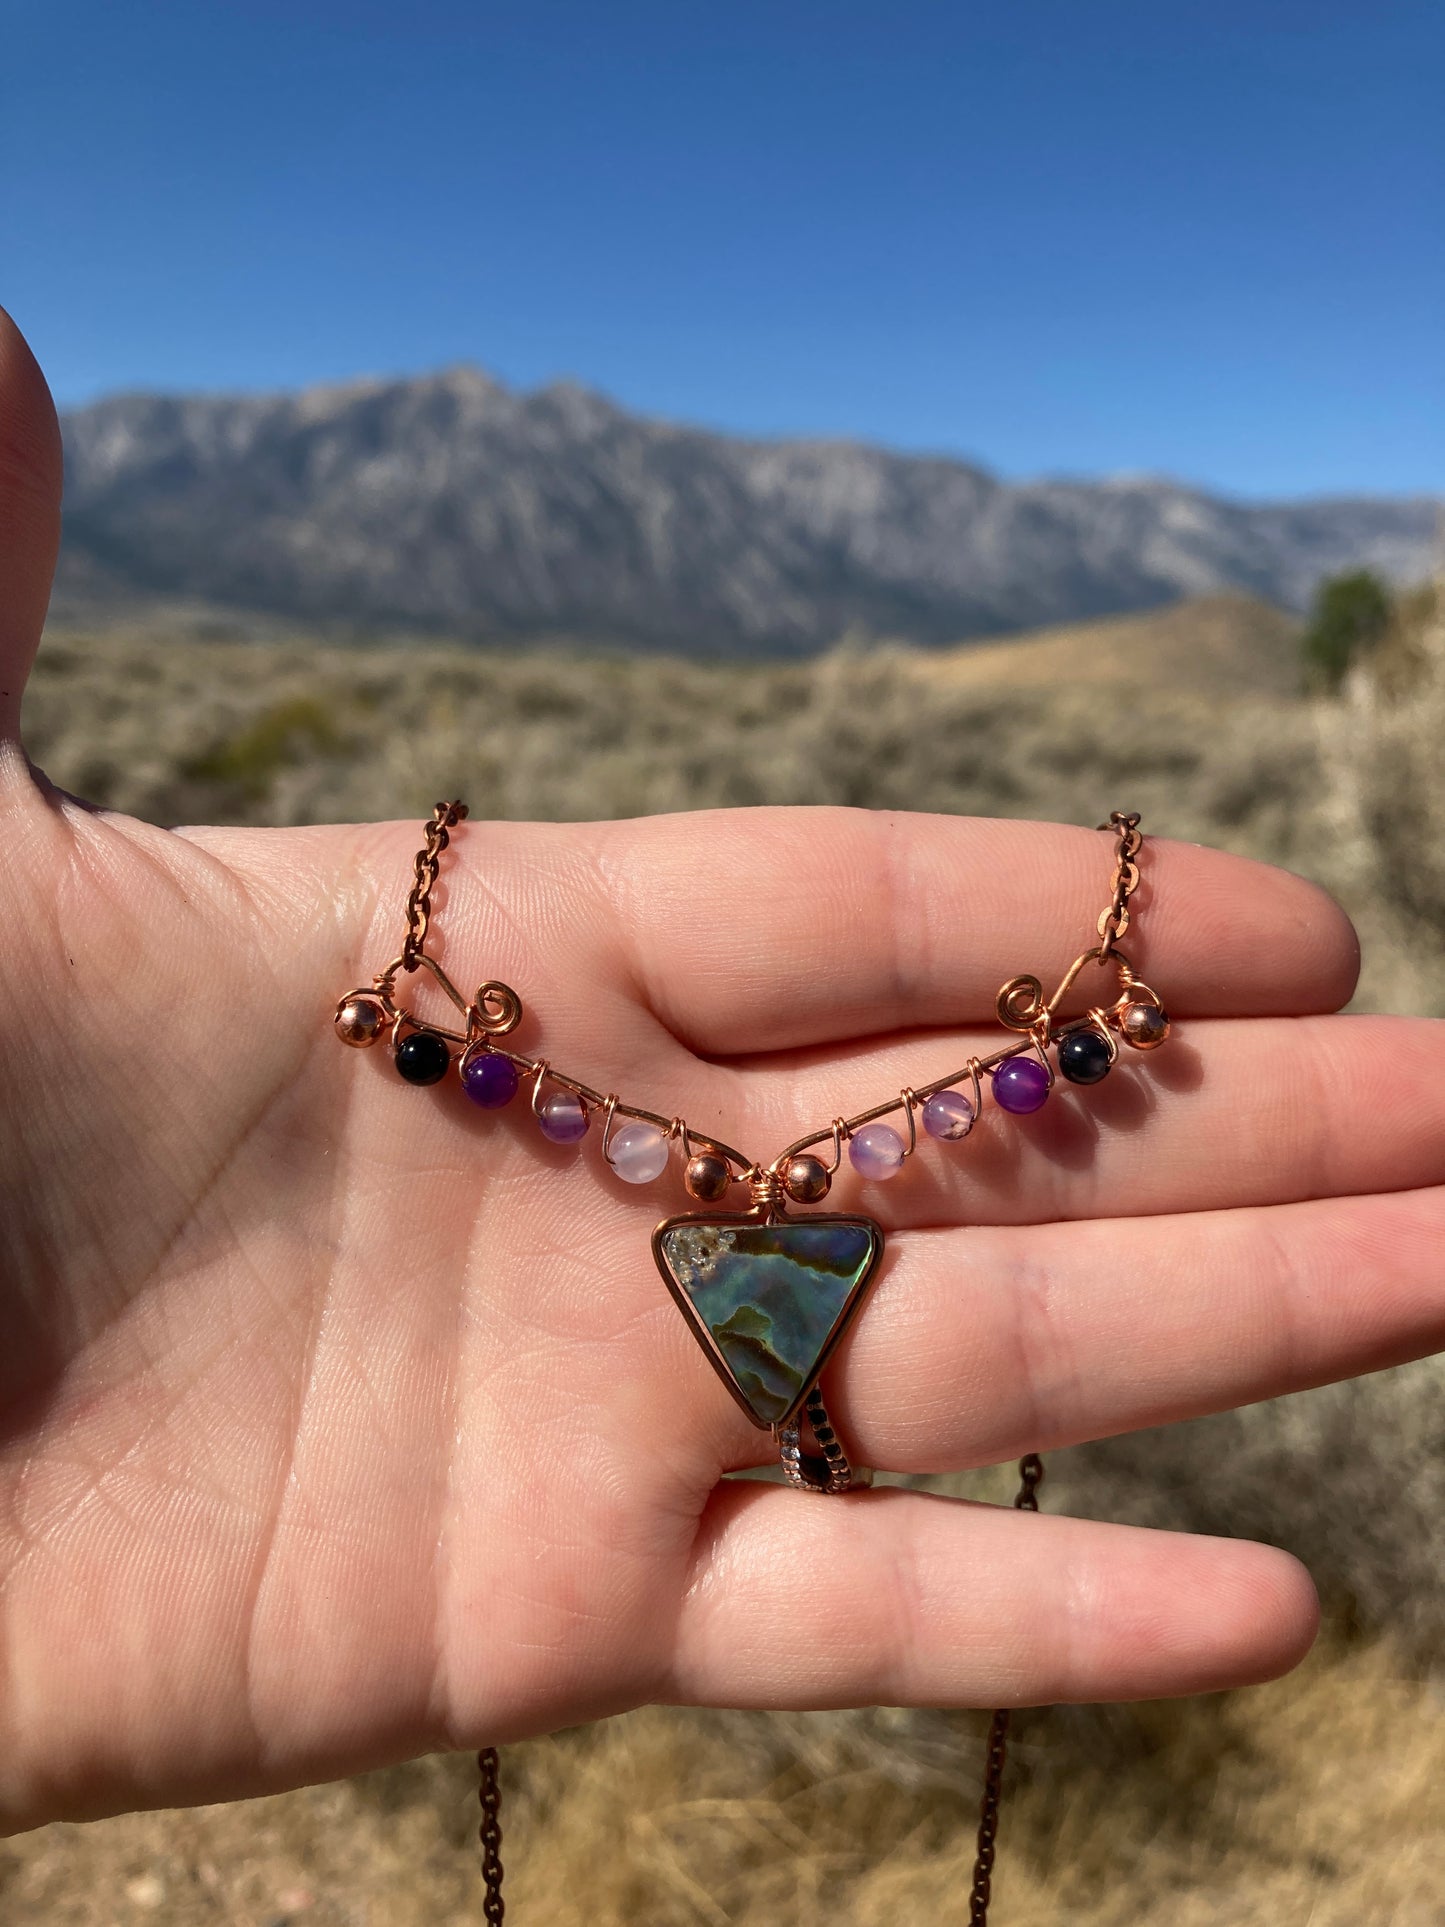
point(452, 503)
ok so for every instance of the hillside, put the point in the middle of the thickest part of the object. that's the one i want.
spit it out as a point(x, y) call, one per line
point(1223, 645)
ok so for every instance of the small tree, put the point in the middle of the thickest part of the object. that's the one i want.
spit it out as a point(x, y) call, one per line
point(1349, 615)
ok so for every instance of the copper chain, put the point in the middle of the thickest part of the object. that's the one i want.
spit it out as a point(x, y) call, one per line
point(1114, 922)
point(489, 1834)
point(1031, 1475)
point(444, 819)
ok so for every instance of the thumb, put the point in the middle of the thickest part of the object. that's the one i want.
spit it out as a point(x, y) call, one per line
point(30, 480)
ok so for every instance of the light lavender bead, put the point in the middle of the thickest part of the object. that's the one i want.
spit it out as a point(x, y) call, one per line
point(876, 1151)
point(638, 1153)
point(562, 1116)
point(948, 1114)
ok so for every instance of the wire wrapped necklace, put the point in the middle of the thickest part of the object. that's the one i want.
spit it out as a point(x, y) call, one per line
point(768, 1295)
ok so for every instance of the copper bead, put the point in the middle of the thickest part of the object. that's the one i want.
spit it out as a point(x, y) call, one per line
point(1144, 1026)
point(708, 1176)
point(360, 1020)
point(807, 1180)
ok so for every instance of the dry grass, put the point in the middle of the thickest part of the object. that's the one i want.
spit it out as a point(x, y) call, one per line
point(1316, 1801)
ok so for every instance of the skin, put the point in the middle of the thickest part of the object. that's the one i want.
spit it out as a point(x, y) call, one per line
point(340, 1421)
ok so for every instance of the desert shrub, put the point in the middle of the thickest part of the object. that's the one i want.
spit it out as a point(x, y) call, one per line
point(1349, 616)
point(283, 733)
point(1401, 749)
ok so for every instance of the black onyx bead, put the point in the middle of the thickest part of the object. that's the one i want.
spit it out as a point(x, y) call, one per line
point(422, 1058)
point(1083, 1057)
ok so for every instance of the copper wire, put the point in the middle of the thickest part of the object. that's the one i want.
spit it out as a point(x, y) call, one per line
point(609, 1112)
point(541, 1070)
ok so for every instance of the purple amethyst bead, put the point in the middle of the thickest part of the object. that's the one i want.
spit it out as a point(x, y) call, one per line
point(1020, 1085)
point(563, 1117)
point(489, 1080)
point(948, 1115)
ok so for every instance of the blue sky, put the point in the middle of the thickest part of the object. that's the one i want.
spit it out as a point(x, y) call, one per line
point(1207, 240)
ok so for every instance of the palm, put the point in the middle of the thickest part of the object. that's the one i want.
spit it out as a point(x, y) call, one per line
point(340, 1421)
point(392, 1406)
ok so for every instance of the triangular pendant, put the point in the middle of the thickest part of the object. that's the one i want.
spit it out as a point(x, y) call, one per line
point(768, 1302)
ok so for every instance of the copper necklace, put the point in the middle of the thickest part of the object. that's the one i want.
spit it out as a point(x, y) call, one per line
point(767, 1295)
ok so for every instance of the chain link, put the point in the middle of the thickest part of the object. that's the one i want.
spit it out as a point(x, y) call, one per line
point(1114, 922)
point(444, 819)
point(489, 1834)
point(1031, 1477)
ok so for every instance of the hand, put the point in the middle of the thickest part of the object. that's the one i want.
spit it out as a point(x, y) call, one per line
point(339, 1421)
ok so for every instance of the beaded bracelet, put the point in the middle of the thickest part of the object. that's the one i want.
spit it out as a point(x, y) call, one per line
point(767, 1295)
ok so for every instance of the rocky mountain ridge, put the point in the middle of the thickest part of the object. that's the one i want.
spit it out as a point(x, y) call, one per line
point(452, 503)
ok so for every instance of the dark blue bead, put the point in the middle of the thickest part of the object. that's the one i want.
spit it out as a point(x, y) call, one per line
point(422, 1058)
point(1083, 1057)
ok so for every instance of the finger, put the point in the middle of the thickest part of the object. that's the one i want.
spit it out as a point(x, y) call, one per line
point(30, 476)
point(904, 1599)
point(905, 926)
point(982, 1344)
point(1229, 1113)
point(800, 926)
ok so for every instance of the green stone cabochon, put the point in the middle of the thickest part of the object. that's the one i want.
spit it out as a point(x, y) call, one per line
point(771, 1295)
